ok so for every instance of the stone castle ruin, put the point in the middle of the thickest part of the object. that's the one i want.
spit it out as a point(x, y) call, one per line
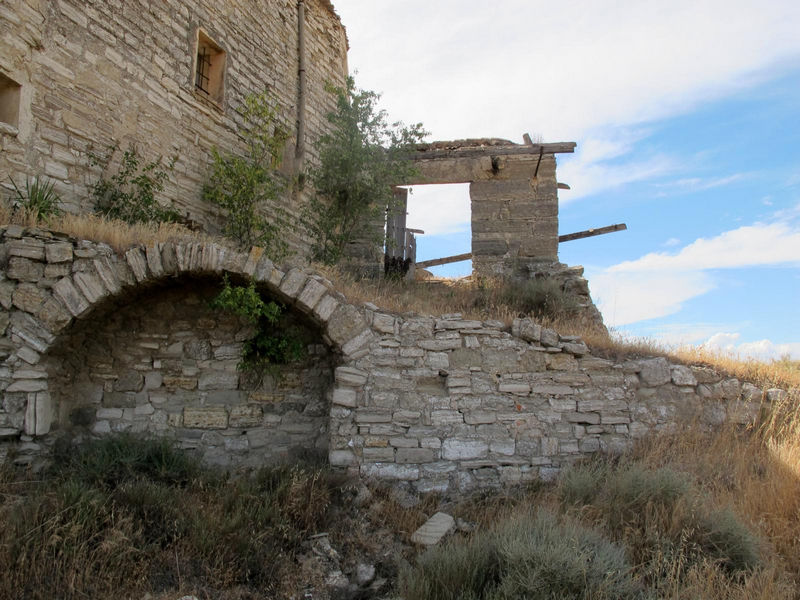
point(93, 342)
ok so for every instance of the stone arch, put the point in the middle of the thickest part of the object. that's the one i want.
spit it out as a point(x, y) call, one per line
point(52, 282)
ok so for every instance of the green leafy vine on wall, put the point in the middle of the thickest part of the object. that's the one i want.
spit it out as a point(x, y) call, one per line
point(274, 343)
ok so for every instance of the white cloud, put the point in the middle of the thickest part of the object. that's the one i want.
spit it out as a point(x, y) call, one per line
point(657, 284)
point(671, 242)
point(728, 343)
point(699, 184)
point(564, 69)
point(751, 245)
point(625, 298)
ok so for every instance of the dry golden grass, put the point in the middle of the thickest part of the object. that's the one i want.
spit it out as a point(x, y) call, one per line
point(117, 234)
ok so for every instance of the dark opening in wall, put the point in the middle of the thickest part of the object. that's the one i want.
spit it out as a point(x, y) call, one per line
point(209, 72)
point(9, 101)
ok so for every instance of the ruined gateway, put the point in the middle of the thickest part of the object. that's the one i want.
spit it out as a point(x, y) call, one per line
point(95, 343)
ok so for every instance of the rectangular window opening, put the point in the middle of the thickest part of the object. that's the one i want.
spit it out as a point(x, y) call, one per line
point(209, 73)
point(9, 101)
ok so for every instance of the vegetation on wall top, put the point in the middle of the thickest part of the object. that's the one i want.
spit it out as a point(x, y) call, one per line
point(361, 157)
point(243, 185)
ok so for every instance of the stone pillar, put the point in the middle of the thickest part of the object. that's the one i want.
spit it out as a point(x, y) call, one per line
point(515, 220)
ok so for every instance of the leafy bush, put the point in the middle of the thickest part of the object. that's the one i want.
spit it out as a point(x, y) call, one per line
point(360, 159)
point(275, 342)
point(130, 194)
point(242, 185)
point(532, 556)
point(39, 199)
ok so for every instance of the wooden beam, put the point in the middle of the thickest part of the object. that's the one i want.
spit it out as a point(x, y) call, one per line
point(591, 232)
point(516, 150)
point(444, 261)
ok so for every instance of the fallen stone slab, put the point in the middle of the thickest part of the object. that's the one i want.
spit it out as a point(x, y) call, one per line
point(434, 529)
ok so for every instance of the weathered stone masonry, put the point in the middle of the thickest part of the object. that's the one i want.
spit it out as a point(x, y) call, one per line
point(88, 74)
point(96, 343)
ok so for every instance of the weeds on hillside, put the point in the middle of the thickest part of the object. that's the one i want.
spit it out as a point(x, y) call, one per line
point(121, 516)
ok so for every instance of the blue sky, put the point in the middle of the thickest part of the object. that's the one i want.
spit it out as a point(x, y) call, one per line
point(687, 120)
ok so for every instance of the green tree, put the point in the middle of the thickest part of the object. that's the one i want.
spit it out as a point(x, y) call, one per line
point(361, 157)
point(241, 185)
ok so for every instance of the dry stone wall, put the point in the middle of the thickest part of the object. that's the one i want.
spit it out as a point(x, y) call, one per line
point(104, 342)
point(96, 73)
point(168, 364)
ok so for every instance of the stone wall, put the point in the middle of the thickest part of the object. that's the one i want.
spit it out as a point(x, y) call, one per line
point(97, 73)
point(167, 364)
point(101, 342)
point(451, 404)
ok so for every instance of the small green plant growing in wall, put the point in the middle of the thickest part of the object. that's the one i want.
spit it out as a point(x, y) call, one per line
point(130, 194)
point(39, 198)
point(360, 159)
point(242, 185)
point(274, 343)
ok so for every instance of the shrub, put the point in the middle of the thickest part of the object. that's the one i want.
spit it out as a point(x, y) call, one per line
point(243, 185)
point(540, 297)
point(110, 460)
point(130, 194)
point(275, 341)
point(360, 159)
point(39, 199)
point(532, 556)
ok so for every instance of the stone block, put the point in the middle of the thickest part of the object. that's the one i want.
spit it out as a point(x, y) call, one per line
point(207, 417)
point(26, 248)
point(434, 530)
point(654, 372)
point(107, 274)
point(129, 381)
point(385, 454)
point(218, 380)
point(249, 415)
point(29, 297)
point(350, 376)
point(153, 256)
point(325, 308)
point(390, 471)
point(76, 303)
point(344, 397)
point(464, 449)
point(345, 323)
point(311, 294)
point(137, 261)
point(24, 269)
point(342, 458)
point(292, 283)
point(682, 375)
point(413, 455)
point(442, 418)
point(58, 252)
point(91, 286)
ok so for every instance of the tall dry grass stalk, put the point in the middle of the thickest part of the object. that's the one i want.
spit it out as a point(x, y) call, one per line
point(117, 234)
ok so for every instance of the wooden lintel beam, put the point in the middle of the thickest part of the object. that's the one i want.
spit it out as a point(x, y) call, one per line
point(444, 261)
point(534, 150)
point(591, 232)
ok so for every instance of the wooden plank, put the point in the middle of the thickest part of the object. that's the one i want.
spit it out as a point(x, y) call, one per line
point(592, 232)
point(516, 150)
point(444, 261)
